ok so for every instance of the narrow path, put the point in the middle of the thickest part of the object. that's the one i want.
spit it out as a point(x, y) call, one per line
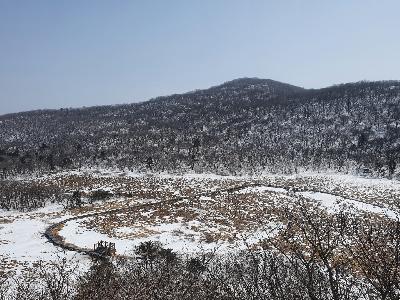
point(52, 232)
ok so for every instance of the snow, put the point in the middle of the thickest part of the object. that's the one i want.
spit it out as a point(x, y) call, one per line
point(76, 234)
point(176, 236)
point(21, 234)
point(352, 179)
point(22, 239)
point(261, 189)
point(98, 172)
point(336, 203)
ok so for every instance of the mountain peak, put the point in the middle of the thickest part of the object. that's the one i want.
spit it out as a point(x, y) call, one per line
point(254, 83)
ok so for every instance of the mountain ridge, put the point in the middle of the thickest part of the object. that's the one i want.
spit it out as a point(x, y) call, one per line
point(240, 81)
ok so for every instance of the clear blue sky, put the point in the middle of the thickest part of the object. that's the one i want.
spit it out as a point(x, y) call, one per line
point(80, 53)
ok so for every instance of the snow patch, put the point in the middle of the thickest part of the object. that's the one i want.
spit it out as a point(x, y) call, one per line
point(335, 203)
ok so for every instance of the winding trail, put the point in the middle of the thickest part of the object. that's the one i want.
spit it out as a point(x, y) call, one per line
point(52, 232)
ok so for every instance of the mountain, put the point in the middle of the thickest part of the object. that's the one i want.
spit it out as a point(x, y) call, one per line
point(245, 125)
point(268, 85)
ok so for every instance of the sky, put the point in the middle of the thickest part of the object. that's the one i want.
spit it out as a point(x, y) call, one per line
point(56, 54)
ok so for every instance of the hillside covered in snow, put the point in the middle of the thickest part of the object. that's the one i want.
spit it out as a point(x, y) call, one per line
point(244, 126)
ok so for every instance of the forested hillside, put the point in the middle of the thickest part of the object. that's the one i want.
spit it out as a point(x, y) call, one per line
point(242, 126)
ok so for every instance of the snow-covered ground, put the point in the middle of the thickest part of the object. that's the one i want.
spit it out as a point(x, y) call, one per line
point(232, 221)
point(22, 241)
point(176, 236)
point(335, 204)
point(261, 189)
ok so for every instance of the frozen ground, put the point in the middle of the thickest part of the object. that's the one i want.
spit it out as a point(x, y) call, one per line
point(222, 222)
point(22, 242)
point(335, 204)
point(180, 237)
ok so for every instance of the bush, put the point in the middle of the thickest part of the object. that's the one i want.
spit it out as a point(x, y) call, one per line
point(100, 195)
point(150, 251)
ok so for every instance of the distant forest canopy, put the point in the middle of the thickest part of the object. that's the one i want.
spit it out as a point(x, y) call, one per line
point(245, 126)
